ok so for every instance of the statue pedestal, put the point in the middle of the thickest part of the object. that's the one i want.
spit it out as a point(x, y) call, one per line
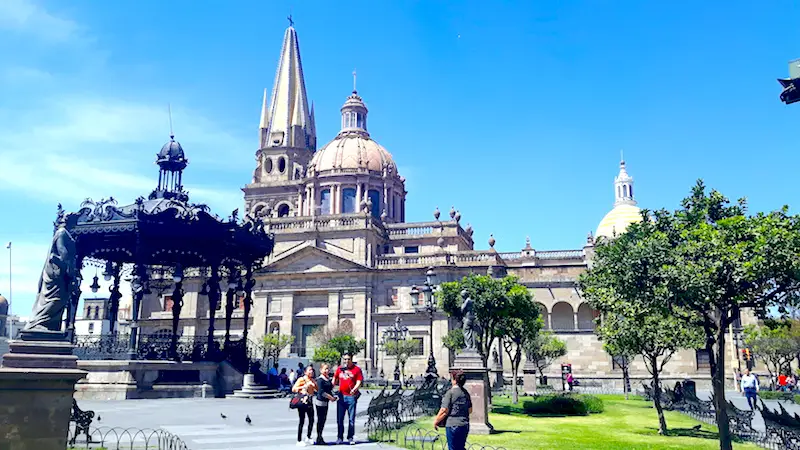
point(37, 383)
point(478, 388)
point(529, 380)
point(496, 378)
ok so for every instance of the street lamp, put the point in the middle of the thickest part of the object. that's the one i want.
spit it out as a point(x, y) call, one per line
point(396, 333)
point(428, 305)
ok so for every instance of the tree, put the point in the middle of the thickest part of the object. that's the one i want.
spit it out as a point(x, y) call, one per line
point(772, 343)
point(521, 326)
point(544, 350)
point(401, 350)
point(491, 305)
point(328, 355)
point(339, 338)
point(454, 341)
point(272, 345)
point(628, 284)
point(622, 359)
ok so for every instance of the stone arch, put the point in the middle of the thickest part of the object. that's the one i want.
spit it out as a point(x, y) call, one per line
point(562, 317)
point(283, 210)
point(586, 316)
point(544, 314)
point(258, 209)
point(274, 328)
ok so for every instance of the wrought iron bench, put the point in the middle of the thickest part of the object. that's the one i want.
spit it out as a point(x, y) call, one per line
point(83, 420)
point(782, 426)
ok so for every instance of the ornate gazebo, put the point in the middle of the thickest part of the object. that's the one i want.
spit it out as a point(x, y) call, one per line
point(157, 243)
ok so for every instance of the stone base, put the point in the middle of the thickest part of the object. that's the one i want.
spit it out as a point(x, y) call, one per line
point(251, 389)
point(529, 379)
point(47, 353)
point(496, 379)
point(478, 388)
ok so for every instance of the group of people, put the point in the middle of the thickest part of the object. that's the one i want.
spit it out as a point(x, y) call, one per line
point(787, 382)
point(315, 393)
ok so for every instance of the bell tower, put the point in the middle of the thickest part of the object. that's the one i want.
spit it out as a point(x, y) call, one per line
point(287, 138)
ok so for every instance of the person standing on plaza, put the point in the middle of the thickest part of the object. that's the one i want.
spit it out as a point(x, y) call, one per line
point(323, 397)
point(750, 387)
point(454, 412)
point(348, 377)
point(306, 386)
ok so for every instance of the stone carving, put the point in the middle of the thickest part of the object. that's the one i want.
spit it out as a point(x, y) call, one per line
point(495, 357)
point(469, 327)
point(56, 283)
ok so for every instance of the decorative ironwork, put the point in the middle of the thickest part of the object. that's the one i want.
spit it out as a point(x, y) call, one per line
point(118, 438)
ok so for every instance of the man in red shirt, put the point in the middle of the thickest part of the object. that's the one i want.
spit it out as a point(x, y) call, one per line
point(348, 377)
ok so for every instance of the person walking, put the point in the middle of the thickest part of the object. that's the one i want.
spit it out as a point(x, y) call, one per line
point(750, 387)
point(307, 387)
point(454, 412)
point(348, 377)
point(321, 400)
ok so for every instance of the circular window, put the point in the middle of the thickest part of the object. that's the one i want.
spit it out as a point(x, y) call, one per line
point(282, 164)
point(269, 165)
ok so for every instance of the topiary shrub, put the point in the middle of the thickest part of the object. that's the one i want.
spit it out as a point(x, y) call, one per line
point(558, 405)
point(775, 395)
point(593, 403)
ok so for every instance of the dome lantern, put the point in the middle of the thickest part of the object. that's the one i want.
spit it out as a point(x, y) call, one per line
point(625, 211)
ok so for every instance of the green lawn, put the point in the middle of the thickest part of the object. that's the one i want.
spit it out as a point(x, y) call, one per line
point(625, 424)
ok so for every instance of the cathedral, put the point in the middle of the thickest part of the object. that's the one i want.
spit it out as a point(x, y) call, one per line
point(345, 256)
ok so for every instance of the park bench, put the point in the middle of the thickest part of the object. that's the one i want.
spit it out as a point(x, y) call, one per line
point(83, 420)
point(782, 426)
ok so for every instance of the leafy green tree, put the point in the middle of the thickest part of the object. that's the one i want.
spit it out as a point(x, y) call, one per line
point(543, 350)
point(401, 350)
point(272, 345)
point(629, 285)
point(347, 344)
point(491, 305)
point(325, 354)
point(454, 341)
point(772, 343)
point(518, 328)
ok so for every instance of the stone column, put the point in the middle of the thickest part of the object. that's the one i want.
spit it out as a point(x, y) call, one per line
point(529, 380)
point(477, 386)
point(37, 383)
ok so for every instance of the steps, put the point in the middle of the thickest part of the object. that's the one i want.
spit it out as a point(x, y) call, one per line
point(255, 391)
point(3, 348)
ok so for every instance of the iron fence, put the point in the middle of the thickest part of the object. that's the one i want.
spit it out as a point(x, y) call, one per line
point(117, 438)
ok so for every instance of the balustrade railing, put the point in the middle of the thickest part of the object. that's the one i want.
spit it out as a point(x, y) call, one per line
point(559, 254)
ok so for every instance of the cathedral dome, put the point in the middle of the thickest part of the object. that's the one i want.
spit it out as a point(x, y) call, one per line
point(625, 211)
point(617, 220)
point(352, 148)
point(3, 306)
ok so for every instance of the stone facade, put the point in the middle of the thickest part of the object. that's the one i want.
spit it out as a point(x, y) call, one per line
point(345, 255)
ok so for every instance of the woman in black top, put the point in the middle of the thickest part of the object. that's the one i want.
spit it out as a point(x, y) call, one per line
point(455, 411)
point(324, 395)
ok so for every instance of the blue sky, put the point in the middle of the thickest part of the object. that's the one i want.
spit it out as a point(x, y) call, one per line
point(514, 112)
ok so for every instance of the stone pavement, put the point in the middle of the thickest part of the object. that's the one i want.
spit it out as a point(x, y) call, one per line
point(198, 422)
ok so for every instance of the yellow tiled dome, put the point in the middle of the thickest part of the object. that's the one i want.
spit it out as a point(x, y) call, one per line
point(618, 219)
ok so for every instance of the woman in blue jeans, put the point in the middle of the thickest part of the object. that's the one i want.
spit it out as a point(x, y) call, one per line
point(454, 412)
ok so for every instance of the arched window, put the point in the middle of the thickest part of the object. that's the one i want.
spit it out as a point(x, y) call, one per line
point(375, 197)
point(96, 312)
point(562, 318)
point(325, 201)
point(283, 210)
point(348, 200)
point(630, 190)
point(625, 189)
point(543, 314)
point(586, 317)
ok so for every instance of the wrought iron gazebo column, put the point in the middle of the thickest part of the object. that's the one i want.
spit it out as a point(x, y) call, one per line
point(229, 295)
point(113, 302)
point(177, 304)
point(139, 289)
point(248, 302)
point(214, 297)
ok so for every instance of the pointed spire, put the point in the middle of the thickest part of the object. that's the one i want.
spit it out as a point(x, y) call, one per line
point(623, 186)
point(264, 125)
point(289, 123)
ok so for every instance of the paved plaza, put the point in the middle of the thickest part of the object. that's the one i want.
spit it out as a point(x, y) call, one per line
point(198, 422)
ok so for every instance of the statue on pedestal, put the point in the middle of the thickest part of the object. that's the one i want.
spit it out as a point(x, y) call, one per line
point(469, 327)
point(56, 283)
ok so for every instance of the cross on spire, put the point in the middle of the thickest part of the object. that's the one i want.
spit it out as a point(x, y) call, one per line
point(291, 22)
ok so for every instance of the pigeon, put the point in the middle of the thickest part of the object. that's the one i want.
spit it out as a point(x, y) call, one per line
point(247, 419)
point(99, 419)
point(696, 428)
point(223, 416)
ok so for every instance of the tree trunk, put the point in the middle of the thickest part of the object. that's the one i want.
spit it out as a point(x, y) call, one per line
point(662, 421)
point(717, 359)
point(626, 382)
point(515, 388)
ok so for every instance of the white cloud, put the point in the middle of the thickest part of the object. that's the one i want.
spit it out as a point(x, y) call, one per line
point(30, 19)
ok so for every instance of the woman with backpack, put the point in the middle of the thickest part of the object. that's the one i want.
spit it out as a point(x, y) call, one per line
point(305, 387)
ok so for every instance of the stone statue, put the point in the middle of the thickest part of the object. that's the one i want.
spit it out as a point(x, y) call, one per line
point(495, 357)
point(56, 283)
point(469, 326)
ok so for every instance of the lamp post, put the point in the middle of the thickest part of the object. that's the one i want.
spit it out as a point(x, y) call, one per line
point(428, 305)
point(396, 333)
